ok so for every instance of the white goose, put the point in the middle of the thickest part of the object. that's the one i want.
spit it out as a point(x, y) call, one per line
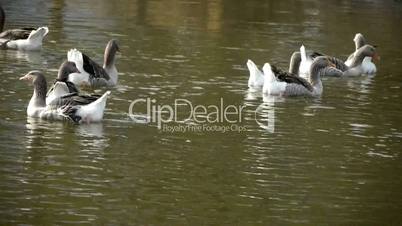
point(92, 74)
point(368, 66)
point(278, 82)
point(64, 107)
point(33, 42)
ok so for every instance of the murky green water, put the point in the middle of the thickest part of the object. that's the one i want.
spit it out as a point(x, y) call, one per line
point(331, 161)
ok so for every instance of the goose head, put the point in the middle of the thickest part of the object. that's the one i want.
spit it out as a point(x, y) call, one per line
point(110, 51)
point(369, 51)
point(361, 53)
point(38, 80)
point(66, 68)
point(35, 78)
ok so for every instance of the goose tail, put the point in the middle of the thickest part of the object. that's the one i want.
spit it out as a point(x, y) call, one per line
point(75, 56)
point(93, 112)
point(256, 76)
point(303, 53)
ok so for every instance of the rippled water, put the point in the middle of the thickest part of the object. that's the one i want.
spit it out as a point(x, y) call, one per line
point(329, 161)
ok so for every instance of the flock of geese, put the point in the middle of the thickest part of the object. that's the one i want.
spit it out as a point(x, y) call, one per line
point(306, 68)
point(63, 99)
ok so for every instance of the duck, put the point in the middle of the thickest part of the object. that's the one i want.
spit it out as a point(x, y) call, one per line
point(281, 83)
point(61, 86)
point(256, 78)
point(12, 34)
point(32, 43)
point(92, 74)
point(367, 65)
point(63, 108)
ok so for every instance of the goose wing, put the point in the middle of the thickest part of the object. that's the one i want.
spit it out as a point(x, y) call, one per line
point(15, 34)
point(71, 87)
point(339, 64)
point(94, 70)
point(291, 78)
point(73, 99)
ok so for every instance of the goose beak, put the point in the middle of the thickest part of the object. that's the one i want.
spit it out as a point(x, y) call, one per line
point(331, 64)
point(376, 57)
point(25, 78)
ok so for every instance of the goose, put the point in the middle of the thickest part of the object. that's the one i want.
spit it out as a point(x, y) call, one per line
point(300, 62)
point(61, 86)
point(92, 74)
point(256, 79)
point(64, 107)
point(357, 64)
point(281, 83)
point(32, 43)
point(307, 58)
point(12, 34)
point(367, 64)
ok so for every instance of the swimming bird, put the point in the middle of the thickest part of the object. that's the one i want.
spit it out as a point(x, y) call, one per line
point(33, 42)
point(92, 74)
point(12, 34)
point(278, 82)
point(60, 109)
point(256, 79)
point(368, 66)
point(61, 86)
point(300, 62)
point(358, 62)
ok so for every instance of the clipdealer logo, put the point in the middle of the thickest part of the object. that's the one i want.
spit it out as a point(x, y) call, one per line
point(184, 116)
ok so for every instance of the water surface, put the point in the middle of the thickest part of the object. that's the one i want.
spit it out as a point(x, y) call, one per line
point(330, 161)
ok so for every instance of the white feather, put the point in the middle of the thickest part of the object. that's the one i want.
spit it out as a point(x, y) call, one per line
point(271, 85)
point(93, 112)
point(60, 89)
point(256, 79)
point(82, 78)
point(368, 66)
point(305, 63)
